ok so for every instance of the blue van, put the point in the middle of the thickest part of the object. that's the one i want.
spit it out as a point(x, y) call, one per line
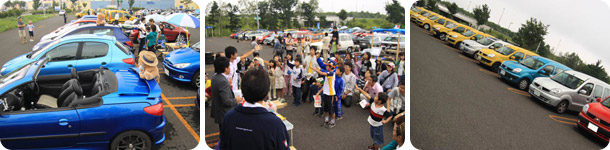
point(523, 72)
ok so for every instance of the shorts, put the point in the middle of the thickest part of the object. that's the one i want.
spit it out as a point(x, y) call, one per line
point(377, 134)
point(327, 100)
point(31, 33)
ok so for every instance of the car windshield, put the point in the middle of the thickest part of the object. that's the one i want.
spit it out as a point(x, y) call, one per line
point(606, 102)
point(450, 25)
point(433, 17)
point(485, 41)
point(14, 75)
point(195, 46)
point(468, 33)
point(505, 50)
point(567, 80)
point(532, 63)
point(426, 14)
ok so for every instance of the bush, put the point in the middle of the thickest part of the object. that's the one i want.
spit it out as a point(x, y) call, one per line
point(137, 8)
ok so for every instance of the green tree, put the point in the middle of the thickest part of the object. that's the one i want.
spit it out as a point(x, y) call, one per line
point(295, 23)
point(308, 11)
point(342, 15)
point(186, 2)
point(55, 3)
point(531, 34)
point(73, 3)
point(284, 8)
point(233, 18)
point(453, 9)
point(8, 4)
point(481, 14)
point(396, 13)
point(84, 5)
point(213, 15)
point(431, 5)
point(130, 2)
point(35, 4)
point(323, 21)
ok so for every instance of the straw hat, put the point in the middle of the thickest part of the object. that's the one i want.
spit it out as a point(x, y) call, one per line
point(148, 58)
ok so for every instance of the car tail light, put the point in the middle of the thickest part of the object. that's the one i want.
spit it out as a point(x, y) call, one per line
point(129, 43)
point(156, 109)
point(129, 61)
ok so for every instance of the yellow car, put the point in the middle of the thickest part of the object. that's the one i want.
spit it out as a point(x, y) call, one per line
point(440, 31)
point(83, 13)
point(426, 22)
point(455, 38)
point(415, 13)
point(123, 16)
point(493, 58)
point(101, 10)
point(423, 15)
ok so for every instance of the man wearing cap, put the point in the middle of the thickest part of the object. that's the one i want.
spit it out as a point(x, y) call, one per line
point(21, 30)
point(388, 78)
point(148, 65)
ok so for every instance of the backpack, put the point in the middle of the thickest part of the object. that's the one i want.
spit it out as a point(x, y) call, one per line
point(382, 81)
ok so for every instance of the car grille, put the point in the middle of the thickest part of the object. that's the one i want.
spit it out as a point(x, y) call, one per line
point(451, 40)
point(545, 89)
point(485, 60)
point(536, 84)
point(590, 115)
point(510, 76)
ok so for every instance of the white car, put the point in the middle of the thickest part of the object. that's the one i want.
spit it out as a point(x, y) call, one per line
point(61, 12)
point(255, 35)
point(471, 47)
point(392, 41)
point(346, 42)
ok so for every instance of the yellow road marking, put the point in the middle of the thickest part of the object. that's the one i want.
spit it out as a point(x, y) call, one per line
point(489, 72)
point(188, 127)
point(212, 144)
point(212, 134)
point(188, 97)
point(556, 118)
point(212, 140)
point(517, 91)
point(469, 59)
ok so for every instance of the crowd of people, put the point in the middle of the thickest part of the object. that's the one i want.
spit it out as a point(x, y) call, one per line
point(329, 82)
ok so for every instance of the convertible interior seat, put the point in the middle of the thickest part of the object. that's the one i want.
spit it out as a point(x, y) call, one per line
point(47, 100)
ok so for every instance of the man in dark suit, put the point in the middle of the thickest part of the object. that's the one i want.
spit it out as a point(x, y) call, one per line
point(251, 125)
point(223, 99)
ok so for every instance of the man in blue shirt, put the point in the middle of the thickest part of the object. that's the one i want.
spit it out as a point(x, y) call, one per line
point(252, 126)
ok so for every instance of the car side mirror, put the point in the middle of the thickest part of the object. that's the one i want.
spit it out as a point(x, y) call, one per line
point(542, 72)
point(492, 47)
point(471, 38)
point(583, 92)
point(512, 57)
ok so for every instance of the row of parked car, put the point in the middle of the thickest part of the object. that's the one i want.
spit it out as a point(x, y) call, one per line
point(79, 88)
point(544, 79)
point(351, 39)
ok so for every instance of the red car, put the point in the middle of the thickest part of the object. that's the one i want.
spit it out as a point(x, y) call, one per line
point(260, 40)
point(172, 33)
point(594, 118)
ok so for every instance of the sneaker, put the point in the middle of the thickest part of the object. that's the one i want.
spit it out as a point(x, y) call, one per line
point(31, 40)
point(340, 118)
point(330, 126)
point(324, 124)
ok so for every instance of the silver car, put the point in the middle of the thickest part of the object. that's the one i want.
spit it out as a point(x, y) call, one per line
point(471, 47)
point(568, 90)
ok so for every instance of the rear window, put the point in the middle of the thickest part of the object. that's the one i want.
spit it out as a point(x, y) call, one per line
point(123, 48)
point(94, 50)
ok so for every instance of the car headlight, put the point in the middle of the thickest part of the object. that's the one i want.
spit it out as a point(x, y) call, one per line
point(2, 70)
point(437, 28)
point(491, 55)
point(181, 65)
point(585, 108)
point(422, 18)
point(415, 15)
point(555, 91)
point(517, 70)
point(454, 36)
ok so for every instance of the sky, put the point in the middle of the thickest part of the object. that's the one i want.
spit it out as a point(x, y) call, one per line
point(575, 26)
point(349, 5)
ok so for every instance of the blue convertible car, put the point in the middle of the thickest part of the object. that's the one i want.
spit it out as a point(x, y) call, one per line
point(183, 65)
point(94, 109)
point(82, 52)
point(108, 29)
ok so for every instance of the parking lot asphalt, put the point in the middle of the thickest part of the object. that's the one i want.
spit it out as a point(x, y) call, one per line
point(350, 133)
point(457, 104)
point(181, 115)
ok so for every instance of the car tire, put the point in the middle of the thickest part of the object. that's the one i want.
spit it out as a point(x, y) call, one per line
point(427, 26)
point(442, 37)
point(457, 45)
point(195, 81)
point(474, 55)
point(124, 140)
point(495, 67)
point(349, 50)
point(523, 85)
point(181, 37)
point(562, 107)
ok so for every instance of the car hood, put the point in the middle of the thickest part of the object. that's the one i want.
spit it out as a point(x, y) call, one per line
point(41, 44)
point(473, 43)
point(549, 83)
point(600, 111)
point(185, 55)
point(15, 63)
point(487, 51)
point(514, 64)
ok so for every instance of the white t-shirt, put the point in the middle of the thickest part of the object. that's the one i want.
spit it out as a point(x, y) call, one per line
point(232, 74)
point(116, 16)
point(382, 111)
point(30, 27)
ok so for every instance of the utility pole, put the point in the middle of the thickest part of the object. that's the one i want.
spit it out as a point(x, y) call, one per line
point(557, 47)
point(509, 25)
point(468, 5)
point(501, 16)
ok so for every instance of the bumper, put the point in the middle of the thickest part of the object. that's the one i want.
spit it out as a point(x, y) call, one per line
point(468, 50)
point(585, 121)
point(158, 135)
point(543, 96)
point(451, 40)
point(484, 60)
point(508, 75)
point(176, 74)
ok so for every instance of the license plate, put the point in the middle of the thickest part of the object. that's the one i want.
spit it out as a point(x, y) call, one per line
point(593, 127)
point(537, 93)
point(502, 72)
point(166, 71)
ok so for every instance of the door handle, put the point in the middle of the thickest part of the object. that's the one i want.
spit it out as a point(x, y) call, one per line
point(103, 63)
point(70, 65)
point(63, 122)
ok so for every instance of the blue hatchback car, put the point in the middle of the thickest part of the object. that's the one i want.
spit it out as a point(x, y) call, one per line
point(108, 29)
point(523, 72)
point(82, 52)
point(94, 109)
point(183, 65)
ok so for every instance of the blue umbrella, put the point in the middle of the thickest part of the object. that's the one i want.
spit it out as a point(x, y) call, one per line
point(197, 11)
point(183, 20)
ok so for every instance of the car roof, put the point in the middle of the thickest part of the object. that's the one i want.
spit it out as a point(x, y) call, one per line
point(88, 36)
point(586, 77)
point(547, 60)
